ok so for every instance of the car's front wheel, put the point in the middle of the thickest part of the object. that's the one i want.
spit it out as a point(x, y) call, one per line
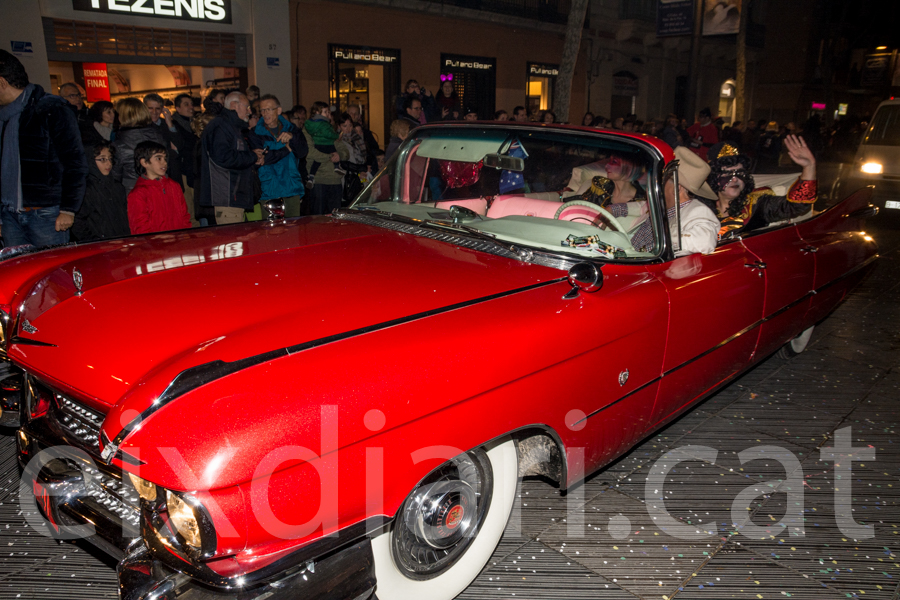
point(448, 527)
point(796, 345)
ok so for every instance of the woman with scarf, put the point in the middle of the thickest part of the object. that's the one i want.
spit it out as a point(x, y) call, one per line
point(100, 126)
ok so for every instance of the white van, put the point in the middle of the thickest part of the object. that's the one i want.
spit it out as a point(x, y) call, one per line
point(877, 160)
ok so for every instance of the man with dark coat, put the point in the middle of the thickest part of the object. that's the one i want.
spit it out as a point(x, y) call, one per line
point(42, 163)
point(184, 114)
point(226, 162)
point(161, 118)
point(74, 95)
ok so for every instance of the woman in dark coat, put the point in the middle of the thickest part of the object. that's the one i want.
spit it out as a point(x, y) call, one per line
point(100, 126)
point(104, 211)
point(136, 128)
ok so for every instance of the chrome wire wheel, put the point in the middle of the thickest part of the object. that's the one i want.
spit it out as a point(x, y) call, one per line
point(447, 528)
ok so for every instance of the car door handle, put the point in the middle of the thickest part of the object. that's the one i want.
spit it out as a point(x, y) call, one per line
point(809, 250)
point(756, 265)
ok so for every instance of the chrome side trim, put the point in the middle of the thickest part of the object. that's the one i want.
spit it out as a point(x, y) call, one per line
point(740, 333)
point(195, 377)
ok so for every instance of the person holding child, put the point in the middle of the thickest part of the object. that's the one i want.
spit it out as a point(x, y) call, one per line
point(156, 203)
point(325, 184)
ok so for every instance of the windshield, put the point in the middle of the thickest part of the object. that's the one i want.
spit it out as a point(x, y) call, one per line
point(546, 189)
point(885, 129)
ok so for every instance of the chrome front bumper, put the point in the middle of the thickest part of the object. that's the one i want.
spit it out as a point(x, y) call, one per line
point(348, 574)
point(75, 488)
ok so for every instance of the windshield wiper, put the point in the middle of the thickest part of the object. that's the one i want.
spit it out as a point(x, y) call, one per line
point(483, 235)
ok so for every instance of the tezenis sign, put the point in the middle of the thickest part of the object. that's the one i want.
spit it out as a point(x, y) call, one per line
point(214, 11)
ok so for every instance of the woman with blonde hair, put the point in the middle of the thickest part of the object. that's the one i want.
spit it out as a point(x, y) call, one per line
point(399, 132)
point(136, 127)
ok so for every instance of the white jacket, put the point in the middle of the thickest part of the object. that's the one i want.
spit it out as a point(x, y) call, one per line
point(699, 226)
point(699, 229)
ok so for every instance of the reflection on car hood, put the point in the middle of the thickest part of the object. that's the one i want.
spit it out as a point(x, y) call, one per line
point(160, 304)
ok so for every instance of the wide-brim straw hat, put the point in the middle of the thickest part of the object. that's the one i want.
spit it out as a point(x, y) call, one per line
point(692, 173)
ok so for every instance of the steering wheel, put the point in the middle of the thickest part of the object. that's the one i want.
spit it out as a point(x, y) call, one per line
point(612, 220)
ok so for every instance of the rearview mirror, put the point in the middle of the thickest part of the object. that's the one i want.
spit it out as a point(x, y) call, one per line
point(507, 163)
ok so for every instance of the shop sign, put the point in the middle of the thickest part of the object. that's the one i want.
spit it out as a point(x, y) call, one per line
point(542, 70)
point(212, 11)
point(471, 63)
point(818, 106)
point(875, 70)
point(721, 17)
point(842, 109)
point(373, 55)
point(675, 17)
point(19, 48)
point(96, 82)
point(625, 83)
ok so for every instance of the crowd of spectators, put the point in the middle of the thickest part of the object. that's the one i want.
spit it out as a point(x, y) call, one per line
point(150, 164)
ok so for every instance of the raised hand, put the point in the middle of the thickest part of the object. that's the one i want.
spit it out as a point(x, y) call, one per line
point(799, 151)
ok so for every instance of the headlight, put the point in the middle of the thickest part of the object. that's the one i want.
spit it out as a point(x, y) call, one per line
point(872, 168)
point(145, 489)
point(183, 518)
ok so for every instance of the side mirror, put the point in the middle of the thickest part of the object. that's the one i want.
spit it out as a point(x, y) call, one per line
point(584, 277)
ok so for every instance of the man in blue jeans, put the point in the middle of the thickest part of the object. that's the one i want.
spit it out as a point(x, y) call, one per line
point(43, 169)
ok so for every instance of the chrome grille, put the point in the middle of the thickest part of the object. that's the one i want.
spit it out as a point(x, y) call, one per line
point(117, 496)
point(80, 422)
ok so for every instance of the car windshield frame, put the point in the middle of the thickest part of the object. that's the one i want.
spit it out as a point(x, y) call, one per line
point(400, 188)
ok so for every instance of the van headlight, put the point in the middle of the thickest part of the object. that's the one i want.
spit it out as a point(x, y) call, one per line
point(872, 168)
point(183, 517)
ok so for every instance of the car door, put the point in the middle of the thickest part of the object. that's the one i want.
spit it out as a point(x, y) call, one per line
point(715, 303)
point(789, 270)
point(840, 244)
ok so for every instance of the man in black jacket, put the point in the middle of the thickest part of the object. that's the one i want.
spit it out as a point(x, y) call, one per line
point(42, 163)
point(226, 162)
point(184, 114)
point(161, 118)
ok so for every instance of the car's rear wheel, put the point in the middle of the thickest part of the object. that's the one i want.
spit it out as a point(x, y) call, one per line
point(448, 527)
point(796, 345)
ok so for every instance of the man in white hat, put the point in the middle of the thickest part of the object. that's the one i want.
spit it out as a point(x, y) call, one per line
point(699, 225)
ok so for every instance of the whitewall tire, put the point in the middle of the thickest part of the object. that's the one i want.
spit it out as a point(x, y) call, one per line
point(448, 527)
point(796, 345)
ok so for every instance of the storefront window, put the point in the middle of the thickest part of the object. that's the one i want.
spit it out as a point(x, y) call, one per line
point(475, 80)
point(541, 79)
point(368, 79)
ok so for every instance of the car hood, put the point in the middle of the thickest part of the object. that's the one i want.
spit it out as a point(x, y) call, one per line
point(147, 310)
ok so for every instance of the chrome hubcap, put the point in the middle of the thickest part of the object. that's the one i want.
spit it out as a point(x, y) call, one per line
point(441, 517)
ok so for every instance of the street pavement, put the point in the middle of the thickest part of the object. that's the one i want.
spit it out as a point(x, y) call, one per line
point(787, 539)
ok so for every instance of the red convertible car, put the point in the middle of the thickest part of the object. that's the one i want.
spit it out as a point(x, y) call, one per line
point(327, 406)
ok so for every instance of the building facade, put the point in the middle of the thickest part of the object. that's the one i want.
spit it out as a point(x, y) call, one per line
point(133, 47)
point(363, 53)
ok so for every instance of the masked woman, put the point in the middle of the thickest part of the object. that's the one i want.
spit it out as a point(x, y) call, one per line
point(620, 184)
point(740, 205)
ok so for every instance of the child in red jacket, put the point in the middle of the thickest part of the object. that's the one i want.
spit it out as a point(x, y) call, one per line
point(156, 203)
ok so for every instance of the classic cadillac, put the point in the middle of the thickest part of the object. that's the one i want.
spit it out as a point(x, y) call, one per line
point(331, 406)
